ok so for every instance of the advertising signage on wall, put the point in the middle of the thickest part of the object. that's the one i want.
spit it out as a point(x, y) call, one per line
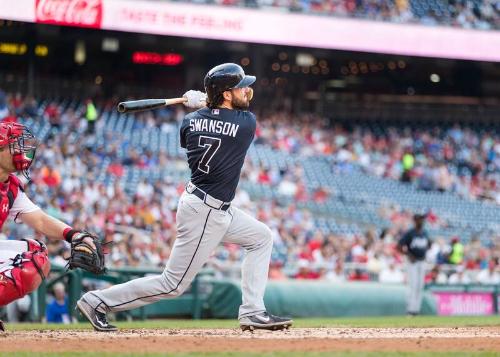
point(81, 13)
point(259, 26)
point(465, 304)
point(164, 59)
point(20, 49)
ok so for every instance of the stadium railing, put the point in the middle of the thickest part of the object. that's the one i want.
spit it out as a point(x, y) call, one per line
point(191, 301)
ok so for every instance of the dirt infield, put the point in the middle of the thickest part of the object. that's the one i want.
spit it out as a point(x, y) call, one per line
point(224, 340)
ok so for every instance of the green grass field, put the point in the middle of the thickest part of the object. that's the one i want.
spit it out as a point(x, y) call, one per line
point(274, 354)
point(373, 322)
point(389, 321)
point(260, 354)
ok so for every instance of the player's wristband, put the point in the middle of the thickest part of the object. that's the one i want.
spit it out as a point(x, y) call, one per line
point(68, 234)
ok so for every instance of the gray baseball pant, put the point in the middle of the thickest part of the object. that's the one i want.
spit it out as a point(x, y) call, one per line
point(200, 229)
point(416, 283)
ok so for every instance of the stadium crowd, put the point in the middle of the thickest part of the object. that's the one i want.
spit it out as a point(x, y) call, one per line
point(457, 160)
point(479, 14)
point(142, 223)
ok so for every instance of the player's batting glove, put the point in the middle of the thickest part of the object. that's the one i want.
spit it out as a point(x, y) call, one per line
point(195, 99)
point(84, 256)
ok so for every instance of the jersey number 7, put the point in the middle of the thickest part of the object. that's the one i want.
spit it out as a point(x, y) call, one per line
point(211, 146)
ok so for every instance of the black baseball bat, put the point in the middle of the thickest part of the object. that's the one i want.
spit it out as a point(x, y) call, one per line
point(147, 104)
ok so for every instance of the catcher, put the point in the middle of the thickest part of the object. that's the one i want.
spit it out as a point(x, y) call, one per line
point(24, 263)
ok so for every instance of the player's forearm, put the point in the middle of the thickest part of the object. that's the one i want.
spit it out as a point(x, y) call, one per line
point(45, 224)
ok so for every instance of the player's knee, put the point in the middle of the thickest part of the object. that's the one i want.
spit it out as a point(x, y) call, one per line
point(172, 286)
point(23, 276)
point(182, 288)
point(178, 290)
point(266, 236)
point(35, 245)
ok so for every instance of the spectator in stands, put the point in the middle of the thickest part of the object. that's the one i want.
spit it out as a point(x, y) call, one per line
point(408, 163)
point(305, 271)
point(457, 252)
point(85, 192)
point(391, 275)
point(359, 275)
point(11, 117)
point(50, 177)
point(91, 116)
point(58, 310)
point(483, 15)
point(276, 271)
point(460, 276)
point(436, 276)
point(489, 275)
point(19, 310)
point(336, 275)
point(53, 115)
point(325, 256)
point(29, 108)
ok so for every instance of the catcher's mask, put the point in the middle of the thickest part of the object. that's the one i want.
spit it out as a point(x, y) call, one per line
point(22, 145)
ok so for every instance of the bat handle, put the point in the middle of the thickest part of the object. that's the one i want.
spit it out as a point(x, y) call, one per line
point(176, 101)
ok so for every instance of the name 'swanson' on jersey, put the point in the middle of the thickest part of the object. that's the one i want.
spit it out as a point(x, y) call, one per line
point(217, 141)
point(214, 126)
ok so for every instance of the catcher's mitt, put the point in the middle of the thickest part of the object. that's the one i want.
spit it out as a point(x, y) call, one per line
point(85, 256)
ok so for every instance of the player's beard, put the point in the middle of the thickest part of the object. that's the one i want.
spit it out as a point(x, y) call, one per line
point(240, 104)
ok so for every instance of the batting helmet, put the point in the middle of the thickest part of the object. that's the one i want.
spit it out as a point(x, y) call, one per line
point(222, 78)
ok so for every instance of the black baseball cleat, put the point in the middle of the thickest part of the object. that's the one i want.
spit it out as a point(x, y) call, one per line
point(2, 327)
point(96, 318)
point(265, 321)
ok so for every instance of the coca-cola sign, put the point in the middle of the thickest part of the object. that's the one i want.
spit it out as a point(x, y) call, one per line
point(83, 13)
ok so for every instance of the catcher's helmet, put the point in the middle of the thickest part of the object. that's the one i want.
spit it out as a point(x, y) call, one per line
point(222, 78)
point(22, 145)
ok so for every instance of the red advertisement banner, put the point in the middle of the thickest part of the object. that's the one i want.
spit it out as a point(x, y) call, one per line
point(81, 13)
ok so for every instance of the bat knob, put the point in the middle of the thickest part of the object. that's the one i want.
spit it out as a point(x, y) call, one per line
point(121, 107)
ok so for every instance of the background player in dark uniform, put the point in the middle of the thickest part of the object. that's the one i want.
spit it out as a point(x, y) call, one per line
point(217, 138)
point(414, 244)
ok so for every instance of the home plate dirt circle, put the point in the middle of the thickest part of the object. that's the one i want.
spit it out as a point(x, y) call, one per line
point(463, 339)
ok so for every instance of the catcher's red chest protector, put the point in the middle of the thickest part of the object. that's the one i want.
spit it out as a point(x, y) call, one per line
point(8, 193)
point(22, 275)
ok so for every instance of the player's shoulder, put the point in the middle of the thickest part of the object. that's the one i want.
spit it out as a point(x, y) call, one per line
point(16, 181)
point(196, 113)
point(246, 115)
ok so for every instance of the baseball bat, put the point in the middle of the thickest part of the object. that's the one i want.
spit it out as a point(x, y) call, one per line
point(147, 104)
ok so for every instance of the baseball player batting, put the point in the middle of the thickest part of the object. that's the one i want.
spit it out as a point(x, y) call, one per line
point(217, 138)
point(24, 263)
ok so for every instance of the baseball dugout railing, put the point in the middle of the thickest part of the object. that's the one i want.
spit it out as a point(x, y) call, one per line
point(220, 298)
point(189, 304)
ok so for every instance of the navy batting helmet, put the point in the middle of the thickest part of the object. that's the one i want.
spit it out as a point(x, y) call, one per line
point(222, 78)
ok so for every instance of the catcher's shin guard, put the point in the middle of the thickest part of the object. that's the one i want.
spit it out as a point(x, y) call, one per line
point(22, 274)
point(35, 245)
